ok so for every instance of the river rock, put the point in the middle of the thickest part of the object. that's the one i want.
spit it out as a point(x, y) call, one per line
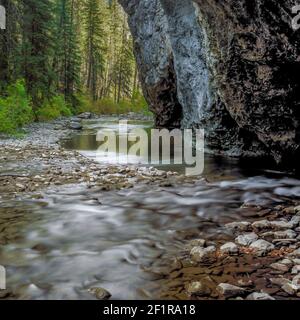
point(279, 281)
point(85, 115)
point(197, 288)
point(100, 293)
point(280, 225)
point(238, 226)
point(259, 296)
point(280, 267)
point(246, 239)
point(229, 291)
point(261, 247)
point(296, 269)
point(200, 254)
point(229, 248)
point(75, 126)
point(290, 288)
point(286, 234)
point(261, 224)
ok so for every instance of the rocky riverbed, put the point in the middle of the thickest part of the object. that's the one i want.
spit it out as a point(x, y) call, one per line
point(208, 237)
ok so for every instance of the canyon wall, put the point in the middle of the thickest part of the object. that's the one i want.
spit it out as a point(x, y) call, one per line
point(230, 67)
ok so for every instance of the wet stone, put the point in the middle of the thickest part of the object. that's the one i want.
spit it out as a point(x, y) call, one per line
point(261, 247)
point(259, 296)
point(246, 239)
point(229, 248)
point(229, 291)
point(100, 293)
point(238, 226)
point(200, 254)
point(197, 288)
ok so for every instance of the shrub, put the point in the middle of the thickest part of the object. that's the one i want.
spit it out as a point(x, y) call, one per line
point(53, 108)
point(15, 108)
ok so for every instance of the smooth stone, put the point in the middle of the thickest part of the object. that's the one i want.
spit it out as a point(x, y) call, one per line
point(296, 269)
point(197, 243)
point(75, 126)
point(229, 290)
point(85, 115)
point(238, 226)
point(287, 234)
point(262, 247)
point(200, 254)
point(279, 281)
point(290, 288)
point(229, 248)
point(280, 224)
point(280, 267)
point(100, 293)
point(246, 239)
point(295, 221)
point(259, 296)
point(197, 288)
point(261, 224)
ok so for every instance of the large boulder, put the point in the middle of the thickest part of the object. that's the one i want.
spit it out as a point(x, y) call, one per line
point(230, 67)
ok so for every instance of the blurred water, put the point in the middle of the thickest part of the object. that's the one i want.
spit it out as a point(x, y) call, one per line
point(75, 238)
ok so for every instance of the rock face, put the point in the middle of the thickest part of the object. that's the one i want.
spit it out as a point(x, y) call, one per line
point(230, 67)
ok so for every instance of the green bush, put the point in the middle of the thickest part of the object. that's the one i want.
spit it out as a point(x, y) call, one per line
point(15, 108)
point(54, 108)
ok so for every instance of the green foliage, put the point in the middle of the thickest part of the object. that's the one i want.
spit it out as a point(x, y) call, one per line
point(15, 108)
point(54, 108)
point(137, 104)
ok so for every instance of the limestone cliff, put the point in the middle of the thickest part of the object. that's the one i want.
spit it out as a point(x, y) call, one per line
point(231, 67)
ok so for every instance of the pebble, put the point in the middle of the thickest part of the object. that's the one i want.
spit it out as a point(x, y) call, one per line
point(246, 239)
point(238, 226)
point(197, 288)
point(280, 225)
point(229, 290)
point(261, 247)
point(259, 296)
point(296, 269)
point(280, 267)
point(261, 224)
point(100, 293)
point(200, 254)
point(229, 248)
point(290, 288)
point(287, 234)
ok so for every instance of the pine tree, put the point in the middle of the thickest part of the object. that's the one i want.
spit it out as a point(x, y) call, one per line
point(94, 48)
point(37, 48)
point(67, 58)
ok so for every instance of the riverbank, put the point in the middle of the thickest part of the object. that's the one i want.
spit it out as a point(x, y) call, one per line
point(208, 238)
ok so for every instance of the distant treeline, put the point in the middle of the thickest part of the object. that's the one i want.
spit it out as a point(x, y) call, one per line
point(74, 51)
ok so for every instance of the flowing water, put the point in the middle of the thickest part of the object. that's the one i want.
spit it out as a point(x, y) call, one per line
point(75, 238)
